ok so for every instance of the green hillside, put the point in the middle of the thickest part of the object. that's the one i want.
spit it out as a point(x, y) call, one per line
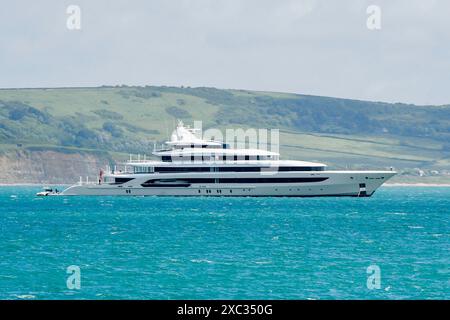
point(122, 120)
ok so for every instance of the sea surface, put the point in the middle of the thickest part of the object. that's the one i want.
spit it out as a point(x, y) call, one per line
point(226, 248)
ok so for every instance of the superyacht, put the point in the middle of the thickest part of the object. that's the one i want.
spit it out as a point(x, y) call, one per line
point(191, 166)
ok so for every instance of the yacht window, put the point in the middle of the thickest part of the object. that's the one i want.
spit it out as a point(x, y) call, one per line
point(142, 169)
point(247, 158)
point(301, 168)
point(122, 180)
point(238, 169)
point(182, 169)
point(166, 158)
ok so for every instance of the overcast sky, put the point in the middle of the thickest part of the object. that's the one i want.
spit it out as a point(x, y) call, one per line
point(318, 47)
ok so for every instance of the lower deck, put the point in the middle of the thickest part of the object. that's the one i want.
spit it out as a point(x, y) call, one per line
point(331, 183)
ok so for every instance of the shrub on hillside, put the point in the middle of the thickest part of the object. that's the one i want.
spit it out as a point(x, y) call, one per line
point(114, 130)
point(178, 112)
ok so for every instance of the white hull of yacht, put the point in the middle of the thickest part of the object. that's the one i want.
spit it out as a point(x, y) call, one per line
point(338, 183)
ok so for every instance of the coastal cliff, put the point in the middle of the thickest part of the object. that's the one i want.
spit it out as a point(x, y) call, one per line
point(49, 167)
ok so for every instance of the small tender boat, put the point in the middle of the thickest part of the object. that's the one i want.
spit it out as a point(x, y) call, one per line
point(47, 192)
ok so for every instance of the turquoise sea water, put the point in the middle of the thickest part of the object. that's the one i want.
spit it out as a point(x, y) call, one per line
point(226, 248)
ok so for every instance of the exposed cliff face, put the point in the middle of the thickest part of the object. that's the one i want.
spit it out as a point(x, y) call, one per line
point(52, 167)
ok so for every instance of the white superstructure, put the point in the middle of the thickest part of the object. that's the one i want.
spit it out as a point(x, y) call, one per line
point(195, 167)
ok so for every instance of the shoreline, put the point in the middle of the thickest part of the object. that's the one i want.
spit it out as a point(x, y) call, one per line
point(419, 184)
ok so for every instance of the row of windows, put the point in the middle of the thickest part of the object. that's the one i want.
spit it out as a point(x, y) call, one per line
point(223, 169)
point(188, 181)
point(204, 146)
point(217, 158)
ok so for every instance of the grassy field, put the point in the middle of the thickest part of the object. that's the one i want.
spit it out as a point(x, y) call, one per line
point(122, 120)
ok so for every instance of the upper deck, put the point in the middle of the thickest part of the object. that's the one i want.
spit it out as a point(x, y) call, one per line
point(185, 146)
point(189, 153)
